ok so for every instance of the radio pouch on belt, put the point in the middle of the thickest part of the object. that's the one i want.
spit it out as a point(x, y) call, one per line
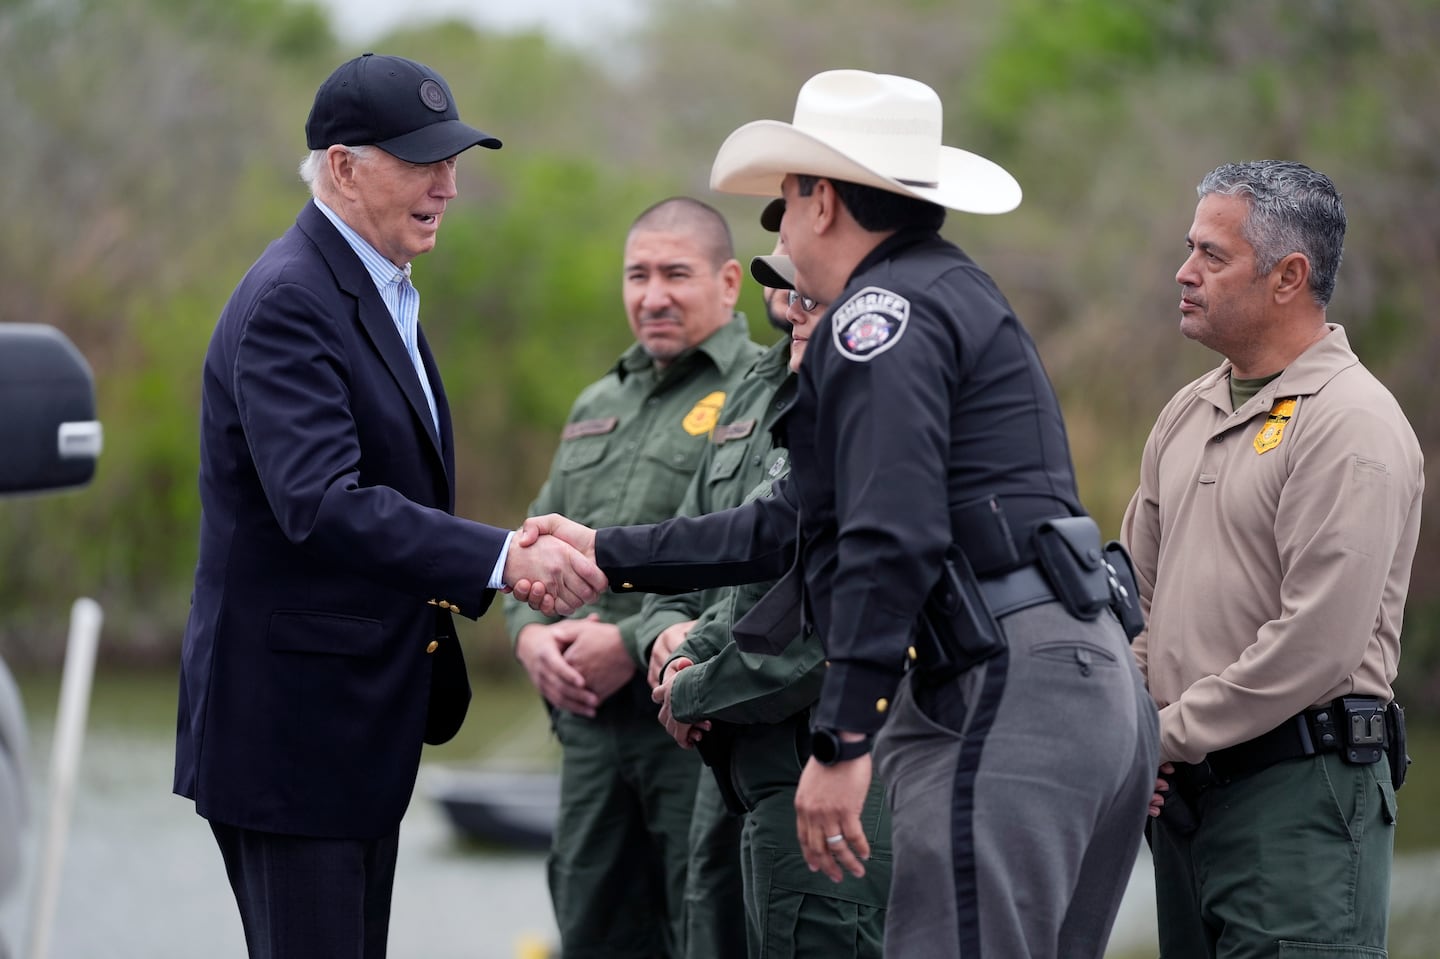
point(955, 623)
point(1124, 590)
point(1069, 552)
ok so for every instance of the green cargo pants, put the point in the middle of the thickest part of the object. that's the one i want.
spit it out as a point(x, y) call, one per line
point(1290, 862)
point(618, 858)
point(791, 911)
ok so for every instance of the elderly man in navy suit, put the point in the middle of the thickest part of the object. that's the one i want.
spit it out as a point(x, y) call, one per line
point(320, 650)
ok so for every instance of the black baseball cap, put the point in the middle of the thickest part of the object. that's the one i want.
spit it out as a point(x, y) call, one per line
point(775, 271)
point(402, 107)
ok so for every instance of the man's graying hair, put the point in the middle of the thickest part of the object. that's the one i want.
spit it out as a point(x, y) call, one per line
point(1293, 209)
point(313, 166)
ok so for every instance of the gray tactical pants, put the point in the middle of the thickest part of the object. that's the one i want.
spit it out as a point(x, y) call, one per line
point(1018, 793)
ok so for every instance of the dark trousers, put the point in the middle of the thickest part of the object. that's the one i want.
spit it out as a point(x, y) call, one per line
point(308, 898)
point(1292, 860)
point(618, 861)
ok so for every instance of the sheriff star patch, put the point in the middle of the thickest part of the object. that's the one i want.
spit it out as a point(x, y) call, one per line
point(869, 323)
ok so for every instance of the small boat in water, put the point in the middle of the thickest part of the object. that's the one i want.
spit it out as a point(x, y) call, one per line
point(515, 809)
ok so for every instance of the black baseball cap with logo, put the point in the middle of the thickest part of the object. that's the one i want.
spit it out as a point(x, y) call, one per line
point(402, 107)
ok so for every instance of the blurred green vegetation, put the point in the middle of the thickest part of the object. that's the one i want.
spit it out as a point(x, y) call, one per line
point(152, 148)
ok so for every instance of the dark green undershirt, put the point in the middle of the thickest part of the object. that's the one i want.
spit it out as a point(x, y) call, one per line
point(1242, 390)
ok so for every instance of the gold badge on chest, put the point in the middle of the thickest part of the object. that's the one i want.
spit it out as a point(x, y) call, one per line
point(704, 415)
point(1273, 431)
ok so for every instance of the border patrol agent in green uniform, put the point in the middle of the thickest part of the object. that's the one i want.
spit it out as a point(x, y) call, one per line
point(618, 859)
point(757, 708)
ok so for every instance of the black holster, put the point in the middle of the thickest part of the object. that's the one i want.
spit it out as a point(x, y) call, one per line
point(957, 629)
point(1395, 748)
point(717, 749)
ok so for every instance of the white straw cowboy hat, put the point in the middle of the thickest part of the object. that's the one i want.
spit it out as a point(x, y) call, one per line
point(869, 128)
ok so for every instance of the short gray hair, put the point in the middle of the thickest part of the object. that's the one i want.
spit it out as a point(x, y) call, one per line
point(1293, 209)
point(313, 169)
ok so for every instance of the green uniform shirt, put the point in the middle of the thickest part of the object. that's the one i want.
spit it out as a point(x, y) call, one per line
point(741, 463)
point(629, 448)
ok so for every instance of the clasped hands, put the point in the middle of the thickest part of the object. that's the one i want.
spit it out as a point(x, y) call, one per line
point(662, 681)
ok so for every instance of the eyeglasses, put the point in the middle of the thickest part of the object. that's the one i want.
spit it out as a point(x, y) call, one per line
point(806, 304)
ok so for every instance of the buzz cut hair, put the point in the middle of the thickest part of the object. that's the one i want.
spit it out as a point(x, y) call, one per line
point(1293, 209)
point(691, 217)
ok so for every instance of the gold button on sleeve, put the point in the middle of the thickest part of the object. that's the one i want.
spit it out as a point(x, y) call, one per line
point(911, 653)
point(432, 602)
point(434, 645)
point(882, 704)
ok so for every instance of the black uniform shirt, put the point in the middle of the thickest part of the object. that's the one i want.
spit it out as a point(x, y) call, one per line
point(927, 394)
point(919, 393)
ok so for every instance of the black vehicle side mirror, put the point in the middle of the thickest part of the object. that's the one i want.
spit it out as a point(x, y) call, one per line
point(49, 437)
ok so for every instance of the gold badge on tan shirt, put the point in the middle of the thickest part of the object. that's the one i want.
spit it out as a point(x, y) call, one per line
point(1273, 431)
point(704, 415)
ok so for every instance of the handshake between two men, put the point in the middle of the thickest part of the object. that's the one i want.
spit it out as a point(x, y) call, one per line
point(551, 566)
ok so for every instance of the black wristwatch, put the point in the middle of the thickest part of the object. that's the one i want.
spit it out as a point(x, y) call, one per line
point(828, 748)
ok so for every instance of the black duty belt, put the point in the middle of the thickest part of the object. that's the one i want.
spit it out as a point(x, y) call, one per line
point(1320, 729)
point(1016, 590)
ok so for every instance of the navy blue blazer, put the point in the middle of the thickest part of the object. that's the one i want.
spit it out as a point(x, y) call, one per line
point(320, 650)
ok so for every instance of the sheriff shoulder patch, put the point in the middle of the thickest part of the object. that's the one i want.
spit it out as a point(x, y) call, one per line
point(869, 323)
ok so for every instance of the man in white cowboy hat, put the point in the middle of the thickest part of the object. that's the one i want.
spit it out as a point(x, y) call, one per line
point(943, 556)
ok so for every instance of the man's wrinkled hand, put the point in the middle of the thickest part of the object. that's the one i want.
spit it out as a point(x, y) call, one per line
point(551, 575)
point(540, 649)
point(666, 643)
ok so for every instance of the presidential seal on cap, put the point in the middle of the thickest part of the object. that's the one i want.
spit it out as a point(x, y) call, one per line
point(403, 107)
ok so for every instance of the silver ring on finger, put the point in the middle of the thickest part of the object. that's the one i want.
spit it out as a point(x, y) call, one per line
point(835, 840)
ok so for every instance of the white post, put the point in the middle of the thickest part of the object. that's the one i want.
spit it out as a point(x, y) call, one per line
point(85, 619)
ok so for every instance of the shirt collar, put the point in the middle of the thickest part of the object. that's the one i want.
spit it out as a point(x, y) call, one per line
point(381, 270)
point(1307, 373)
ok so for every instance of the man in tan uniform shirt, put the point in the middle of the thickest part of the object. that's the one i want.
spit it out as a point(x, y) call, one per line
point(1273, 533)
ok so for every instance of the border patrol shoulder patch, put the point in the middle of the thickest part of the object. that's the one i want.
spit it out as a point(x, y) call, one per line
point(869, 323)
